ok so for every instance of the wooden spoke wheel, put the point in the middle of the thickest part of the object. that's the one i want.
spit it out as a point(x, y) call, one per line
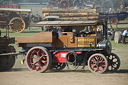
point(113, 62)
point(97, 63)
point(57, 66)
point(17, 24)
point(38, 59)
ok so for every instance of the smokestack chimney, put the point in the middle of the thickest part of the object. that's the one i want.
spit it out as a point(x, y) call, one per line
point(105, 29)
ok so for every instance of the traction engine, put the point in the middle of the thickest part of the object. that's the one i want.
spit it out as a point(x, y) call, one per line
point(48, 51)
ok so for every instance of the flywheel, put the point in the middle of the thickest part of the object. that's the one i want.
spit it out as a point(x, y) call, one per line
point(17, 24)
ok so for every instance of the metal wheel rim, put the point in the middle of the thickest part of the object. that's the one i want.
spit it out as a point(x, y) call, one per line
point(17, 24)
point(97, 63)
point(38, 60)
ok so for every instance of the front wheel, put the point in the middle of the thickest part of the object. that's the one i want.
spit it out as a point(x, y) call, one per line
point(38, 59)
point(97, 63)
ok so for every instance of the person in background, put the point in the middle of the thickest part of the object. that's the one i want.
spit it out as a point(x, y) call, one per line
point(76, 7)
point(63, 30)
point(124, 36)
point(99, 28)
point(60, 31)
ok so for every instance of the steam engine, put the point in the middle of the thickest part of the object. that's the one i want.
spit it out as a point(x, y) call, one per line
point(100, 5)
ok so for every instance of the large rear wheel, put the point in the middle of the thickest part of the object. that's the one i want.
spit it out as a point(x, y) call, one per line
point(38, 59)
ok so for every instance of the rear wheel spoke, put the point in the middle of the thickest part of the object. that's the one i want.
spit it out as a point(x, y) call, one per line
point(44, 62)
point(33, 57)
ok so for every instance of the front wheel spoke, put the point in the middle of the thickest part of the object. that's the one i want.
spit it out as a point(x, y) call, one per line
point(95, 58)
point(100, 61)
point(102, 65)
point(98, 58)
point(97, 68)
point(102, 68)
point(94, 61)
point(38, 52)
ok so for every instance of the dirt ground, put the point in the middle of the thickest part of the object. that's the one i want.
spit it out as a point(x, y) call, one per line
point(20, 75)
